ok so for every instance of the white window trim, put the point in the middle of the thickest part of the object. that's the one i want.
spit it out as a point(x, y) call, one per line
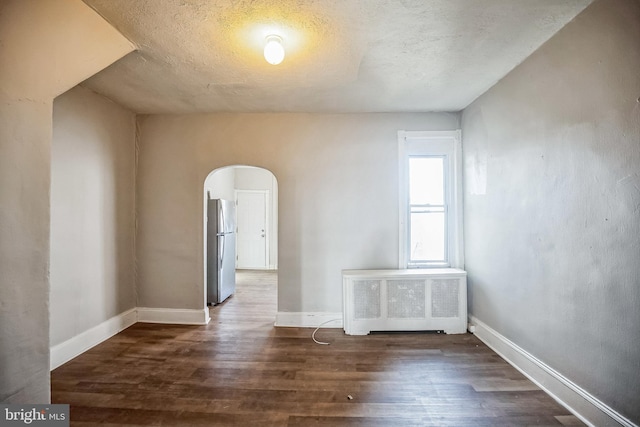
point(433, 143)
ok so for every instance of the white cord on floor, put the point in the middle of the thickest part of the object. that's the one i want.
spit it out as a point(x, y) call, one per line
point(313, 335)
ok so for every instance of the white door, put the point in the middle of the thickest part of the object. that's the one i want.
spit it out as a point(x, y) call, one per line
point(252, 229)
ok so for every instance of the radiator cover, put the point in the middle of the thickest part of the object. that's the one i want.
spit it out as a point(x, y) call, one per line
point(405, 300)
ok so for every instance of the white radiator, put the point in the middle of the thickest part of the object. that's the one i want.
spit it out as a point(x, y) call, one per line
point(405, 300)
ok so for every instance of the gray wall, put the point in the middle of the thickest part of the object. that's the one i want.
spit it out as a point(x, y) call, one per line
point(92, 213)
point(24, 250)
point(41, 57)
point(552, 204)
point(338, 197)
point(221, 183)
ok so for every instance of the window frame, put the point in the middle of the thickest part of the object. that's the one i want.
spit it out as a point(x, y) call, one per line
point(447, 144)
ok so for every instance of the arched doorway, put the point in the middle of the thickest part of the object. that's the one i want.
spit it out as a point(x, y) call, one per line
point(250, 226)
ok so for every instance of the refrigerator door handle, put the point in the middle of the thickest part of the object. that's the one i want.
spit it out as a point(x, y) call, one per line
point(221, 251)
point(223, 224)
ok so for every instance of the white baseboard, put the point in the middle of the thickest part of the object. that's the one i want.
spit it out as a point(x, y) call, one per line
point(308, 319)
point(65, 351)
point(174, 315)
point(73, 347)
point(585, 406)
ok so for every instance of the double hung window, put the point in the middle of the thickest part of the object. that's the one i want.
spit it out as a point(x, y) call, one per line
point(430, 199)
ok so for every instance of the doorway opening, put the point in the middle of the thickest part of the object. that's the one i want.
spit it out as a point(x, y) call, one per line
point(250, 195)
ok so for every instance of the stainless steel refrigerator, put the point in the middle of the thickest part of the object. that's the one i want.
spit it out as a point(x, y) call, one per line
point(221, 250)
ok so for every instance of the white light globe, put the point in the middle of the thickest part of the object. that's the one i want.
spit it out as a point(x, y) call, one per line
point(273, 50)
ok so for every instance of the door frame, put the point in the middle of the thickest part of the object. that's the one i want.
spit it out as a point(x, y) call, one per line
point(267, 222)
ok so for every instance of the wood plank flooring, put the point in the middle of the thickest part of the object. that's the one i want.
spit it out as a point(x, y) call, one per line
point(241, 371)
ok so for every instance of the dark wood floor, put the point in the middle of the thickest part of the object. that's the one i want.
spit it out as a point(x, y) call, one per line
point(241, 371)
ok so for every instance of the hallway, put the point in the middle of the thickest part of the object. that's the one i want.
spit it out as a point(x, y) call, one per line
point(254, 304)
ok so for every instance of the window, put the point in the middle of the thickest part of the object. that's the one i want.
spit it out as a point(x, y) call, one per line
point(430, 199)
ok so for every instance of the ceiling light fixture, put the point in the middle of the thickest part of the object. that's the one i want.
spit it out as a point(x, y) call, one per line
point(273, 49)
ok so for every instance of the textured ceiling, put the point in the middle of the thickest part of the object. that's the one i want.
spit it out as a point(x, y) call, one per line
point(342, 55)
